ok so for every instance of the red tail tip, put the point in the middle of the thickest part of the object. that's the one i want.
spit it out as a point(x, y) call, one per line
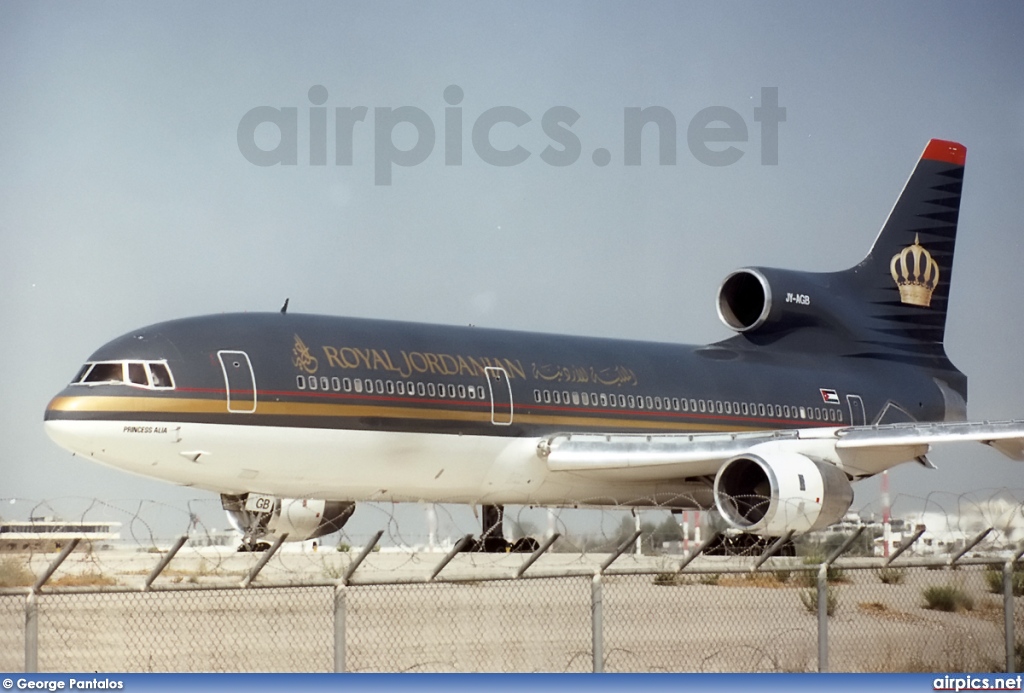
point(944, 150)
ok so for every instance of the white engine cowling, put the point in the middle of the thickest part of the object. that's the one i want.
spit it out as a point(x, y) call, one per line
point(773, 492)
point(300, 519)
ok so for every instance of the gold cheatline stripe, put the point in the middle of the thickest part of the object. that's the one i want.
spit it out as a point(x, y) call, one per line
point(153, 405)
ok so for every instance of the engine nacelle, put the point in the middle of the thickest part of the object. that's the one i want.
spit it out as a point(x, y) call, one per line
point(763, 299)
point(301, 519)
point(774, 492)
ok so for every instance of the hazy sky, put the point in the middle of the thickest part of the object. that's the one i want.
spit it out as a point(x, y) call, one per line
point(125, 199)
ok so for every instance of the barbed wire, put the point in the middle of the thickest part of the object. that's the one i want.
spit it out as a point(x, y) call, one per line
point(416, 535)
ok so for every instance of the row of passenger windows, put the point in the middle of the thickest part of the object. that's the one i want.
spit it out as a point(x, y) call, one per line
point(369, 386)
point(149, 374)
point(682, 404)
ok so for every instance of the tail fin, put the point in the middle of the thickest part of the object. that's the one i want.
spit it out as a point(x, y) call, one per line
point(906, 275)
point(891, 306)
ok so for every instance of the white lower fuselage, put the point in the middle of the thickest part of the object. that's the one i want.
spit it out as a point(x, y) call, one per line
point(354, 465)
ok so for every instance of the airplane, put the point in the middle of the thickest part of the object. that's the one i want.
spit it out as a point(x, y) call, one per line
point(830, 378)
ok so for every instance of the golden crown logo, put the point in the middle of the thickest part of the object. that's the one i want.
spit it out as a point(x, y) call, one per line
point(916, 274)
point(301, 358)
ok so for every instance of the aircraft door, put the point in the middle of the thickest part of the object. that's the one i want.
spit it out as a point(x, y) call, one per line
point(239, 381)
point(501, 395)
point(857, 416)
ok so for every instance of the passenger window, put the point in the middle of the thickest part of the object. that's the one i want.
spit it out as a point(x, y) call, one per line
point(604, 400)
point(547, 396)
point(576, 398)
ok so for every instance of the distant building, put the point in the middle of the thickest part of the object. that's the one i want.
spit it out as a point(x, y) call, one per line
point(47, 534)
point(215, 537)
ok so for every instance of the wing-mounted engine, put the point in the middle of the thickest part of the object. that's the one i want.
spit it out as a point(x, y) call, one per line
point(778, 491)
point(758, 301)
point(300, 519)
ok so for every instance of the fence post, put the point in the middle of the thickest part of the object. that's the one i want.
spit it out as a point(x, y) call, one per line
point(32, 608)
point(341, 604)
point(597, 623)
point(339, 628)
point(1008, 616)
point(267, 555)
point(155, 573)
point(823, 618)
point(31, 634)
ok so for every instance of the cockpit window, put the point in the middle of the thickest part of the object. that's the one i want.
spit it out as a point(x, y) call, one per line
point(81, 373)
point(160, 376)
point(137, 374)
point(106, 373)
point(152, 375)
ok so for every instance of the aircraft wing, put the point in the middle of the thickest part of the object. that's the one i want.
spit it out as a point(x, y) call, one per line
point(858, 450)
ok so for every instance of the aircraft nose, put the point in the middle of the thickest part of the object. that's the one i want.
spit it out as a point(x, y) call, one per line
point(62, 425)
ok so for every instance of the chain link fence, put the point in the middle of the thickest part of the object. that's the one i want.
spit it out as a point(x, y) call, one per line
point(656, 603)
point(719, 614)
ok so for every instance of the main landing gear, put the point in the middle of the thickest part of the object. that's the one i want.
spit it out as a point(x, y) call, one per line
point(746, 545)
point(249, 546)
point(492, 538)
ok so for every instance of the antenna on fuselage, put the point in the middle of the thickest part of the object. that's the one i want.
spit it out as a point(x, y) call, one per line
point(284, 308)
